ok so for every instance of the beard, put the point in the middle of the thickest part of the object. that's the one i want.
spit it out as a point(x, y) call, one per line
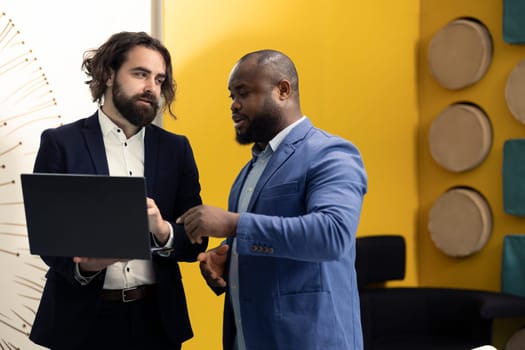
point(262, 127)
point(136, 113)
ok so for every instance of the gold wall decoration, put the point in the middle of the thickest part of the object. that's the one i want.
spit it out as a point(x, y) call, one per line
point(27, 107)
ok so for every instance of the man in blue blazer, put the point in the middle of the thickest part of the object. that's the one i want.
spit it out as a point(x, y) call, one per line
point(287, 265)
point(91, 303)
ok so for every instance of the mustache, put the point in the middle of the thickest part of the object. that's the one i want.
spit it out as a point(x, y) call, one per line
point(238, 116)
point(147, 97)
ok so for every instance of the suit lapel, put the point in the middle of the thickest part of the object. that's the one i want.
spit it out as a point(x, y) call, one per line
point(151, 155)
point(284, 151)
point(95, 144)
point(276, 161)
point(237, 186)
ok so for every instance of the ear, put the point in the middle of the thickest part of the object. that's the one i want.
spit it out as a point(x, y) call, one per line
point(285, 89)
point(111, 79)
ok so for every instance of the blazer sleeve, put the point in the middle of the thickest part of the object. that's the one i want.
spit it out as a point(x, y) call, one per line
point(50, 158)
point(180, 191)
point(314, 215)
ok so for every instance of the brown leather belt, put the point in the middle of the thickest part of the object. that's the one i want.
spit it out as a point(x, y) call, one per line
point(128, 294)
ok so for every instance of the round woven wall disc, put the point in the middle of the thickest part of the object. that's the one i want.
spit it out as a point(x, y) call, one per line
point(515, 91)
point(516, 341)
point(460, 222)
point(460, 137)
point(460, 53)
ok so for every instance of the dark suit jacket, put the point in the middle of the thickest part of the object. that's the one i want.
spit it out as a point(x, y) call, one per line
point(67, 309)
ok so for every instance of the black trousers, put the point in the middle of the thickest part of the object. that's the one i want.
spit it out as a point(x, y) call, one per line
point(129, 326)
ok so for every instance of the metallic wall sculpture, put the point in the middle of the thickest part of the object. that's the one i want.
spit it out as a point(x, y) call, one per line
point(27, 106)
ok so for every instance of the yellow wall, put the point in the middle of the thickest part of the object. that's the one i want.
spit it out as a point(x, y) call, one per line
point(356, 61)
point(482, 270)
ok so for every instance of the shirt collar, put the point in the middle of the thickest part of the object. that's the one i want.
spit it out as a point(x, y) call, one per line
point(278, 139)
point(107, 125)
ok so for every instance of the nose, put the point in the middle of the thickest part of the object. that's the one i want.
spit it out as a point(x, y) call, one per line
point(235, 106)
point(151, 85)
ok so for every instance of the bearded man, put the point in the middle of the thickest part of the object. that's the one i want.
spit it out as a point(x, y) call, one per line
point(93, 303)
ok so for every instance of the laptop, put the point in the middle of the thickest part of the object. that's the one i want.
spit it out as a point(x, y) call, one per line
point(86, 215)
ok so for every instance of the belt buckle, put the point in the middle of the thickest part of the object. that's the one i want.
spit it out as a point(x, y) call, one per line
point(124, 294)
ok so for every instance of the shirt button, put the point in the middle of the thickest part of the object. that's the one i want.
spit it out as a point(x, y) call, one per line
point(118, 130)
point(131, 173)
point(125, 144)
point(127, 269)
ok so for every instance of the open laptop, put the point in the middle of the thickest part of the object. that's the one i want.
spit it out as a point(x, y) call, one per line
point(86, 215)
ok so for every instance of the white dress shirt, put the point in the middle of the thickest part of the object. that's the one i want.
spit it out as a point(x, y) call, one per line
point(125, 158)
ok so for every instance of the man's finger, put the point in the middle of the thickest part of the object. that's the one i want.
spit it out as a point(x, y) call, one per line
point(193, 236)
point(183, 217)
point(219, 282)
point(202, 257)
point(197, 238)
point(222, 250)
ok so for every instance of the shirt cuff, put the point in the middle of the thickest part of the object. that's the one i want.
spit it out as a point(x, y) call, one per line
point(169, 244)
point(83, 280)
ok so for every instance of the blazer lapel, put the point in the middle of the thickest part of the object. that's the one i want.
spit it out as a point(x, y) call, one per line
point(151, 156)
point(95, 144)
point(235, 191)
point(284, 151)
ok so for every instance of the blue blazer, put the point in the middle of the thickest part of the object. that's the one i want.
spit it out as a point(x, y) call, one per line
point(296, 246)
point(67, 309)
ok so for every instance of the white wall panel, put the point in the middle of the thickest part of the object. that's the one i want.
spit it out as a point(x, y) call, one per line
point(41, 86)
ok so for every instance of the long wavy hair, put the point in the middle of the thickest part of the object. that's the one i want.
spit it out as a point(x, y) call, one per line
point(99, 63)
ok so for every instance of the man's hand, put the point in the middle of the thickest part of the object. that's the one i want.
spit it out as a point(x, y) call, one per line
point(207, 221)
point(157, 226)
point(212, 265)
point(94, 264)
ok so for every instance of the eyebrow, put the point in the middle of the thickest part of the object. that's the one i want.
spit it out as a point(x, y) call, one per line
point(237, 87)
point(145, 70)
point(141, 69)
